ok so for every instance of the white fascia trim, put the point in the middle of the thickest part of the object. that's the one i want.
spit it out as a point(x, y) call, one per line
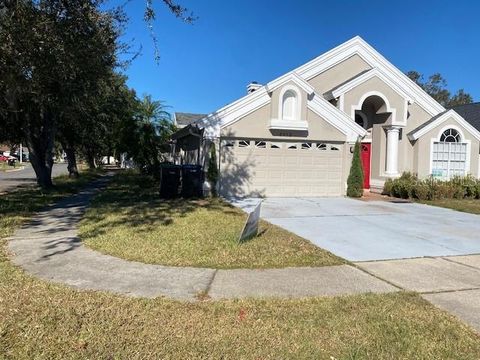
point(293, 77)
point(361, 48)
point(449, 114)
point(277, 124)
point(236, 110)
point(336, 118)
point(365, 77)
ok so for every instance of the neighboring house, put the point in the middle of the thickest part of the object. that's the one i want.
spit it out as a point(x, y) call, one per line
point(181, 119)
point(294, 136)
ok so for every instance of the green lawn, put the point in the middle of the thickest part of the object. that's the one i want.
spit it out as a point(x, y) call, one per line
point(465, 205)
point(4, 166)
point(129, 221)
point(40, 320)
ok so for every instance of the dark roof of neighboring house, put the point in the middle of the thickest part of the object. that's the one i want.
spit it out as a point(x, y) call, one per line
point(470, 112)
point(184, 119)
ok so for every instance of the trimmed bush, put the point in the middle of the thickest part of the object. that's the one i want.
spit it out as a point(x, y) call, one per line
point(355, 178)
point(388, 187)
point(422, 191)
point(403, 186)
point(408, 186)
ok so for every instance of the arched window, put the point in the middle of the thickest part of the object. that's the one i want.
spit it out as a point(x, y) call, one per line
point(449, 155)
point(289, 105)
point(450, 135)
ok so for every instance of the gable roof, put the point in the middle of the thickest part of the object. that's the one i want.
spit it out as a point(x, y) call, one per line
point(438, 120)
point(184, 119)
point(356, 46)
point(470, 112)
point(329, 94)
point(290, 77)
point(337, 119)
point(363, 77)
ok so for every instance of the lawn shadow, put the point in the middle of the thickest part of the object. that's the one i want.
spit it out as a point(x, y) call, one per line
point(133, 200)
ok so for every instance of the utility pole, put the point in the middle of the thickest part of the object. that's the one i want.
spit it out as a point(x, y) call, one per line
point(21, 154)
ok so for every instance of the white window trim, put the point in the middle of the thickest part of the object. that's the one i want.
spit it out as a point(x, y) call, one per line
point(463, 141)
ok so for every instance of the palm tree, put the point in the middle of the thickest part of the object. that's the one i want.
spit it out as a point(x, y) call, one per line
point(154, 127)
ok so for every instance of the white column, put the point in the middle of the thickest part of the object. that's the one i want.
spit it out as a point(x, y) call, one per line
point(393, 135)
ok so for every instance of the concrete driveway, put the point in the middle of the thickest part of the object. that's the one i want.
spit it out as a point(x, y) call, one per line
point(375, 230)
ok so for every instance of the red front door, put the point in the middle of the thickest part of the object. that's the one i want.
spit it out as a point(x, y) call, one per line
point(365, 155)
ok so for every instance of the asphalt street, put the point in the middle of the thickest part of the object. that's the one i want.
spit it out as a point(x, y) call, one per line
point(10, 180)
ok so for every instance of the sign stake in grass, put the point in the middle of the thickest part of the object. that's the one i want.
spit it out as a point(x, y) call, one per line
point(250, 230)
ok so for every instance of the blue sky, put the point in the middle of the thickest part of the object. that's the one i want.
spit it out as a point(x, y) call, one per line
point(207, 65)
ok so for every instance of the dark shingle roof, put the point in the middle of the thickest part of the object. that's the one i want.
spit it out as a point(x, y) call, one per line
point(471, 113)
point(184, 119)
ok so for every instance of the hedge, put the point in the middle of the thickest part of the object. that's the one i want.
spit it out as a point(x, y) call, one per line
point(408, 186)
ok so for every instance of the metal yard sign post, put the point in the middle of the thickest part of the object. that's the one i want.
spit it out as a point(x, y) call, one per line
point(250, 230)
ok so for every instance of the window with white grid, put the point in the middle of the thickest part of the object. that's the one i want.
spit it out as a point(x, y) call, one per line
point(449, 155)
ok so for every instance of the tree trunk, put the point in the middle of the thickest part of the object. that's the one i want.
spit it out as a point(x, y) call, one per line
point(41, 146)
point(92, 164)
point(71, 161)
point(41, 164)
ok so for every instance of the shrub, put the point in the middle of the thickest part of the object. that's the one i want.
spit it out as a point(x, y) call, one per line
point(445, 190)
point(388, 187)
point(469, 184)
point(212, 172)
point(355, 178)
point(403, 186)
point(477, 190)
point(422, 191)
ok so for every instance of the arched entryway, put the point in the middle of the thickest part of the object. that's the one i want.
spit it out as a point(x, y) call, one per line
point(380, 150)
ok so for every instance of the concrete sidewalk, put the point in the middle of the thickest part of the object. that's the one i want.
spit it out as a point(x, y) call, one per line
point(451, 283)
point(49, 248)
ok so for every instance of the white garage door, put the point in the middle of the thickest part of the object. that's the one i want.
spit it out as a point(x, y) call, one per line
point(269, 168)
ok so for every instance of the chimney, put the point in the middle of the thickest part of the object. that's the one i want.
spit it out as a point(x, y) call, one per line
point(253, 86)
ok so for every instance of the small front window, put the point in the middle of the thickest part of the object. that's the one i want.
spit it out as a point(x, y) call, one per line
point(289, 105)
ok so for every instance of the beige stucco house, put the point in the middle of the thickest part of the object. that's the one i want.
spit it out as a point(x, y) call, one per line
point(294, 136)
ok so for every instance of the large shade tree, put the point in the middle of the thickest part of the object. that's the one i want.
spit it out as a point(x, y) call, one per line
point(436, 87)
point(57, 77)
point(52, 56)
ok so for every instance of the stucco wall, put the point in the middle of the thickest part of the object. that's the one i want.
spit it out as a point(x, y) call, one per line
point(338, 74)
point(352, 97)
point(255, 126)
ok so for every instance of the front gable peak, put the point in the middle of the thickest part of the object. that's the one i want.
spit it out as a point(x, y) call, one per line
point(290, 77)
